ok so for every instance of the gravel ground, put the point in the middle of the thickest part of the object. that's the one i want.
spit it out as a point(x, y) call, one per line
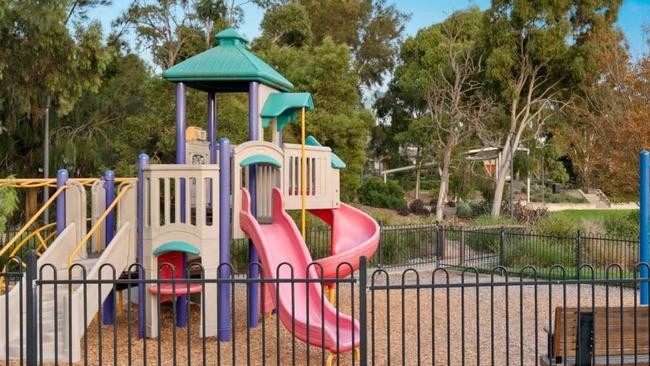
point(410, 326)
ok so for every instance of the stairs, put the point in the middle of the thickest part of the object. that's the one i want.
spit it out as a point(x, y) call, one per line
point(53, 324)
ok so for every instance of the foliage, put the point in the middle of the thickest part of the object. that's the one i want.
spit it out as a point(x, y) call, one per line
point(374, 192)
point(42, 56)
point(525, 215)
point(488, 220)
point(417, 208)
point(623, 226)
point(8, 205)
point(556, 226)
point(463, 210)
point(370, 28)
point(404, 210)
point(338, 120)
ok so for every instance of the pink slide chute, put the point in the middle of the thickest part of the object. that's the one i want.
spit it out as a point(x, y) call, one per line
point(300, 306)
point(354, 234)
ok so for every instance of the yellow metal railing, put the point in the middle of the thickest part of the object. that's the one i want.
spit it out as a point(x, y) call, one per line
point(50, 182)
point(42, 246)
point(31, 221)
point(99, 222)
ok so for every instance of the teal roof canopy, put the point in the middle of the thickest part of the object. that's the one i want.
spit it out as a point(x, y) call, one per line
point(229, 66)
point(284, 107)
point(260, 159)
point(337, 163)
point(176, 246)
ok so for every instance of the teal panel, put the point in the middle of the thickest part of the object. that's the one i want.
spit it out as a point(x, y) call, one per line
point(337, 163)
point(176, 246)
point(260, 159)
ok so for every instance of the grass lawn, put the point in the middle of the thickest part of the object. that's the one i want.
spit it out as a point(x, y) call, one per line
point(580, 215)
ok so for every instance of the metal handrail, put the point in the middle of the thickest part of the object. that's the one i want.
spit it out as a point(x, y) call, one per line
point(32, 220)
point(99, 222)
point(51, 182)
point(43, 243)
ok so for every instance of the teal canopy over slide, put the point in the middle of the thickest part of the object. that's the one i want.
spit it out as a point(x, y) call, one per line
point(337, 163)
point(285, 107)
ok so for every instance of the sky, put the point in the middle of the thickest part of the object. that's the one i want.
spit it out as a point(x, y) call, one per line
point(633, 16)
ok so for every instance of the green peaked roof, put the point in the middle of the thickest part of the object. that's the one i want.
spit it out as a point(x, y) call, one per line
point(229, 65)
point(284, 107)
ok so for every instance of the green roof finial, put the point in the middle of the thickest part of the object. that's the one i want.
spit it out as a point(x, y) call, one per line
point(230, 37)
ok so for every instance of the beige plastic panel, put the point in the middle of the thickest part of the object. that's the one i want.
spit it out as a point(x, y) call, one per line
point(197, 152)
point(117, 255)
point(322, 188)
point(98, 206)
point(162, 223)
point(75, 208)
point(56, 254)
point(240, 176)
point(263, 95)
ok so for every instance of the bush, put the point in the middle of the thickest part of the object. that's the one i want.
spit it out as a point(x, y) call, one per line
point(480, 208)
point(417, 207)
point(374, 192)
point(404, 210)
point(539, 254)
point(624, 226)
point(556, 226)
point(463, 210)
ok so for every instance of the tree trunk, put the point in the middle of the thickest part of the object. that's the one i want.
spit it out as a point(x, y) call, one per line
point(417, 183)
point(504, 170)
point(444, 185)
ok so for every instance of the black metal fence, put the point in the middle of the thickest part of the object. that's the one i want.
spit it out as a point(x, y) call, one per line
point(512, 247)
point(412, 317)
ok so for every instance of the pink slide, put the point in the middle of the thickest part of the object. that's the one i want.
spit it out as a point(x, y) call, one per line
point(281, 242)
point(354, 234)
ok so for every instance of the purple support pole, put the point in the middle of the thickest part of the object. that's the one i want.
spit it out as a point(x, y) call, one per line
point(181, 124)
point(224, 238)
point(61, 180)
point(109, 188)
point(143, 161)
point(212, 127)
point(253, 258)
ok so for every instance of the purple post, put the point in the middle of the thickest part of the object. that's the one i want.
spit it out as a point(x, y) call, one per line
point(253, 272)
point(143, 161)
point(212, 127)
point(109, 224)
point(61, 180)
point(181, 302)
point(224, 238)
point(180, 123)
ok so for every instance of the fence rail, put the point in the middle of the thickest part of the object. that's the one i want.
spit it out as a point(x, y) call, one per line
point(409, 317)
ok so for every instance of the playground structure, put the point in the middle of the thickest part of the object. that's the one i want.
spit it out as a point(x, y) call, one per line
point(152, 225)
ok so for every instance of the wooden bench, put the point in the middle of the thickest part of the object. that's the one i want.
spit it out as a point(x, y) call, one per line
point(603, 333)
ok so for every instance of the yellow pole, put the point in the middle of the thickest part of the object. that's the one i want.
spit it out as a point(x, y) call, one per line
point(303, 174)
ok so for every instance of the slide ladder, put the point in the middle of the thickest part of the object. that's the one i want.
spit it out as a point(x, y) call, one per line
point(58, 304)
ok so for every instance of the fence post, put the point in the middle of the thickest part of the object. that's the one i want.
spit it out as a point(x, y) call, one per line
point(644, 235)
point(30, 292)
point(502, 244)
point(363, 311)
point(578, 237)
point(461, 247)
point(443, 242)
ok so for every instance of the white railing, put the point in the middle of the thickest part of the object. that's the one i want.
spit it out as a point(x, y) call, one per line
point(322, 183)
point(181, 199)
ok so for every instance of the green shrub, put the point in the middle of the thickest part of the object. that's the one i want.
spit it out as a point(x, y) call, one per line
point(463, 210)
point(538, 254)
point(483, 240)
point(624, 226)
point(8, 205)
point(556, 226)
point(487, 220)
point(480, 208)
point(374, 192)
